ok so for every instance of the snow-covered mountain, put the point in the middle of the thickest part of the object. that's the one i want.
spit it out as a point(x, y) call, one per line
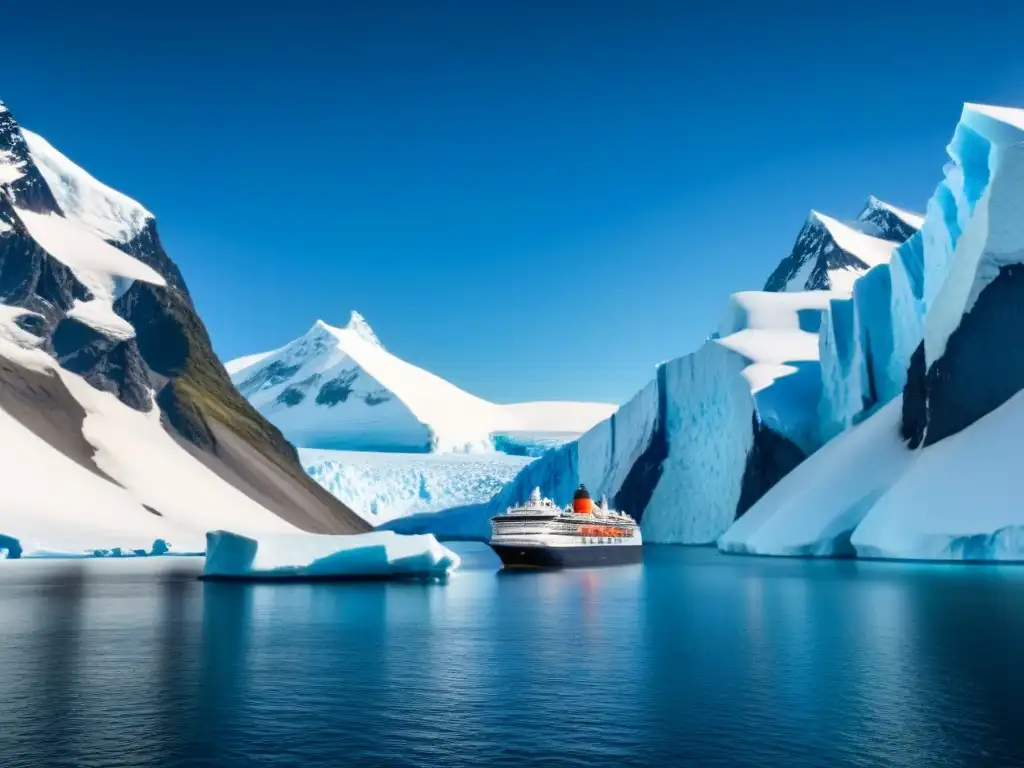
point(339, 388)
point(927, 467)
point(830, 255)
point(118, 425)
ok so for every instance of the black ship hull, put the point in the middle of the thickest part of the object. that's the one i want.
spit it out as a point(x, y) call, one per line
point(568, 557)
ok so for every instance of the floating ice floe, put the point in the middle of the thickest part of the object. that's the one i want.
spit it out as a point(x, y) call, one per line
point(378, 555)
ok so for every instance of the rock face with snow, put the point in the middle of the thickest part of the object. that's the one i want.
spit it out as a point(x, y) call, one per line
point(95, 315)
point(340, 389)
point(928, 471)
point(830, 255)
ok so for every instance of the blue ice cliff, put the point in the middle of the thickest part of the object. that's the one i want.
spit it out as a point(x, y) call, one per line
point(922, 372)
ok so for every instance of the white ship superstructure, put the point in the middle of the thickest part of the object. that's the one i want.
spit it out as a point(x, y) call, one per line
point(539, 533)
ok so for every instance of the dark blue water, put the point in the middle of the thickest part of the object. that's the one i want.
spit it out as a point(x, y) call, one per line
point(692, 659)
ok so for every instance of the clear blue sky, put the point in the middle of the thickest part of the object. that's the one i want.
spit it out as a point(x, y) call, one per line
point(532, 199)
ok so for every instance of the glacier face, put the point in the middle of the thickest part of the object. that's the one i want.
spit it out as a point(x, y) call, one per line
point(922, 397)
point(380, 487)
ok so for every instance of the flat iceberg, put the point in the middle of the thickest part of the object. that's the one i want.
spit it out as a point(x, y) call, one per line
point(378, 555)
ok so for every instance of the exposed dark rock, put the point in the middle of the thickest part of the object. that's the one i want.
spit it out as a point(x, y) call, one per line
point(291, 396)
point(981, 368)
point(814, 244)
point(915, 401)
point(34, 324)
point(337, 389)
point(31, 278)
point(270, 376)
point(885, 223)
point(146, 247)
point(108, 364)
point(772, 456)
point(377, 397)
point(636, 490)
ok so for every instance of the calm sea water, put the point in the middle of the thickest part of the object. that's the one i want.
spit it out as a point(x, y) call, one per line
point(691, 659)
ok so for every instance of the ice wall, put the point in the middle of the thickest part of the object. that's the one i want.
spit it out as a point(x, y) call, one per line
point(856, 348)
point(930, 475)
point(708, 418)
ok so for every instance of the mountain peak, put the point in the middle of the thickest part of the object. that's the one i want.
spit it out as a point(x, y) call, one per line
point(358, 325)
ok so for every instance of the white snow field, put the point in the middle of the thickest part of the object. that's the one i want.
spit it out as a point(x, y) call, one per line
point(309, 556)
point(380, 487)
point(866, 491)
point(339, 388)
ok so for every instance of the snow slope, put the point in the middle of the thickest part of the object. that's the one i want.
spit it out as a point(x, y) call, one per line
point(815, 508)
point(958, 499)
point(866, 493)
point(339, 388)
point(141, 492)
point(91, 306)
point(141, 485)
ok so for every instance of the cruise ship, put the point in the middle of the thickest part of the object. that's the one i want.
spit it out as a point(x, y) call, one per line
point(540, 534)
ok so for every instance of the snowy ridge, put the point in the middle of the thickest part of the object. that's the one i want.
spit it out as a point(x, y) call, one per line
point(870, 251)
point(241, 363)
point(913, 220)
point(102, 210)
point(339, 388)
